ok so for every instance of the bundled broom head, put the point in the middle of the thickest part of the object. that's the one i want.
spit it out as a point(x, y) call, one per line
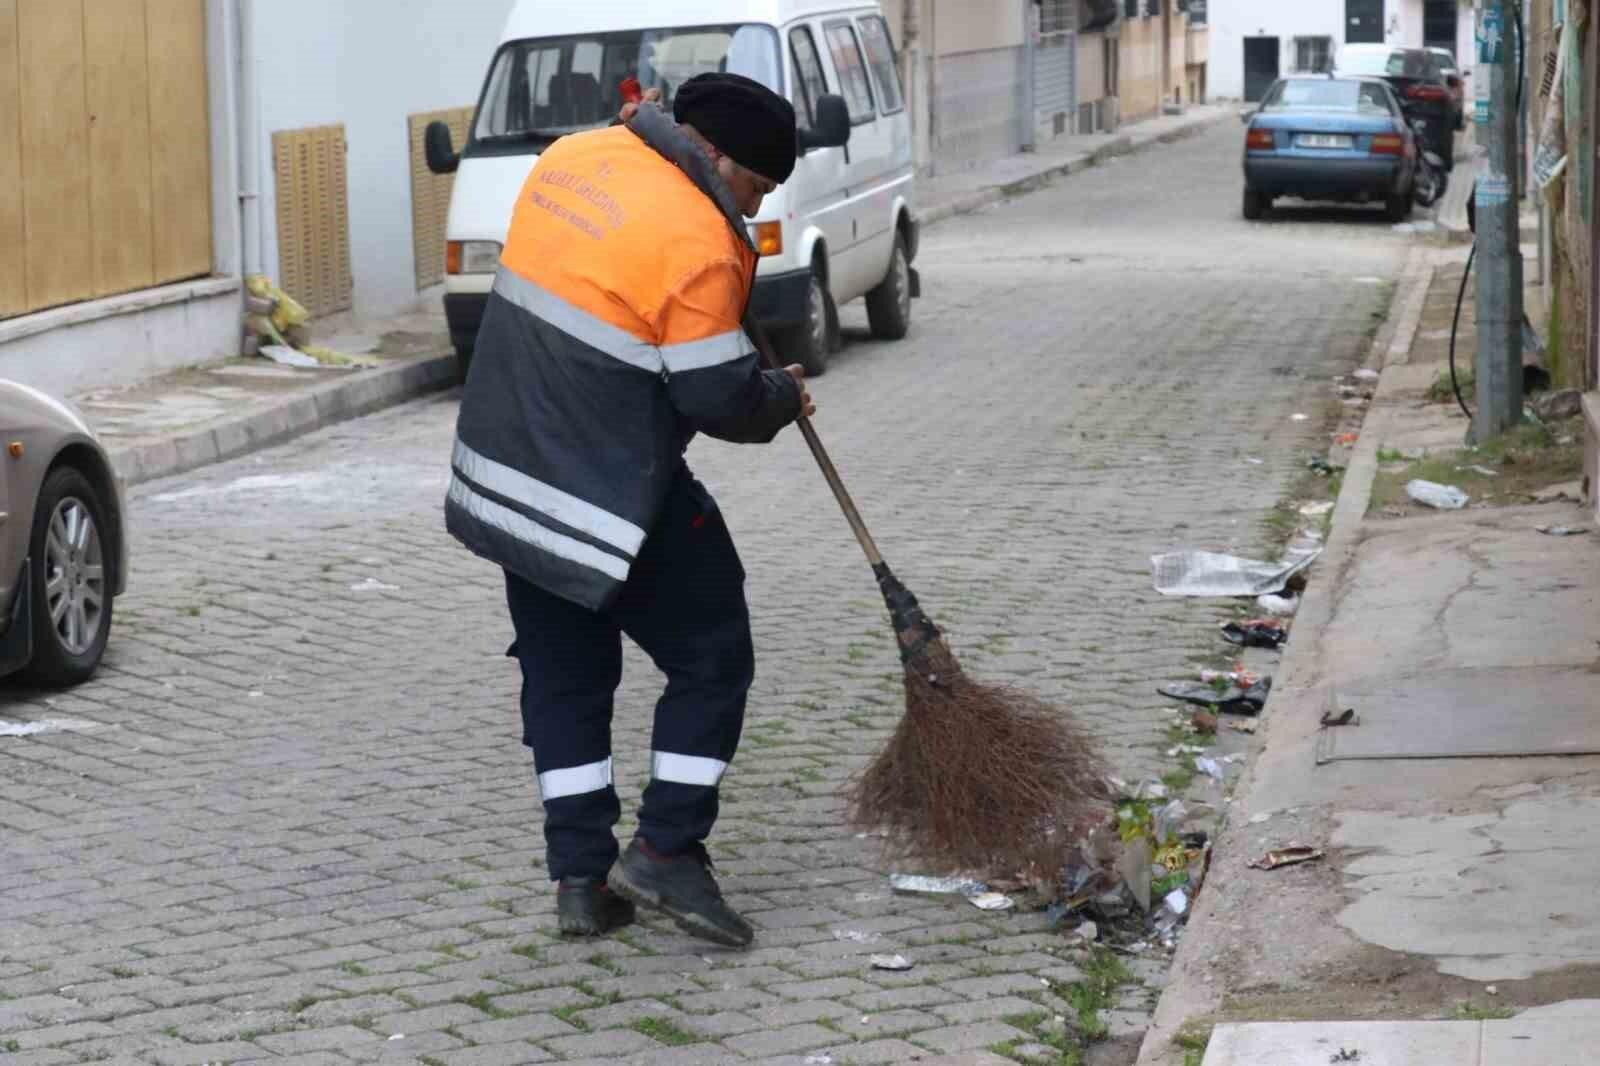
point(977, 778)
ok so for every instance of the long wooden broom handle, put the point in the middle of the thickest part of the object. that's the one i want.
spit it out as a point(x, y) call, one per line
point(829, 472)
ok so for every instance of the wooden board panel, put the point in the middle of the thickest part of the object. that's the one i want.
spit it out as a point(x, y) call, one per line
point(430, 193)
point(55, 152)
point(13, 276)
point(313, 217)
point(180, 138)
point(119, 145)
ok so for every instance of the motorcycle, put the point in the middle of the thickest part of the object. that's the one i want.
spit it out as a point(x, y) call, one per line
point(1433, 177)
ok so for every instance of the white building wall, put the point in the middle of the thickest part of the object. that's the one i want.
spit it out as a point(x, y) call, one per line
point(368, 64)
point(1234, 20)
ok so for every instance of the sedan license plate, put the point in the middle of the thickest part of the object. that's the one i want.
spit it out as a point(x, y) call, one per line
point(1323, 140)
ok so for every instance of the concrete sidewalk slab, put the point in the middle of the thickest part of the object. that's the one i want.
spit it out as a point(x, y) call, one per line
point(1441, 874)
point(201, 415)
point(1566, 1041)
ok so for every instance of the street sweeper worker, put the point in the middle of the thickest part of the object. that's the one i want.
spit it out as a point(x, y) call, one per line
point(613, 336)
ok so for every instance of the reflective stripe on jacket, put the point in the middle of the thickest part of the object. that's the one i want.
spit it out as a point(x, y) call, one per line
point(611, 336)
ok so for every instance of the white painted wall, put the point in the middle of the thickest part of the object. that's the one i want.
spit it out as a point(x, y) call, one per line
point(1234, 20)
point(368, 64)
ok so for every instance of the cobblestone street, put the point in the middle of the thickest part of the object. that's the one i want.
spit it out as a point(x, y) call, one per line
point(302, 828)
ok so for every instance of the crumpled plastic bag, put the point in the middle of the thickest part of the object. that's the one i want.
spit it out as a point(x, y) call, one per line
point(287, 312)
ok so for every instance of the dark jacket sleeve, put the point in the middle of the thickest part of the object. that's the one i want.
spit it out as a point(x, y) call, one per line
point(714, 377)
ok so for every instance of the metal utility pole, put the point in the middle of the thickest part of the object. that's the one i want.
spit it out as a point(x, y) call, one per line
point(1499, 230)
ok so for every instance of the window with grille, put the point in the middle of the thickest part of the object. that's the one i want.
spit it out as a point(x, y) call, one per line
point(1055, 16)
point(1131, 8)
point(1154, 7)
point(1313, 55)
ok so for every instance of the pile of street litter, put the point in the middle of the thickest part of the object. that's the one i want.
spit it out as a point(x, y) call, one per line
point(276, 327)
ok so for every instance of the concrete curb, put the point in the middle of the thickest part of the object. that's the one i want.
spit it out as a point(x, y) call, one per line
point(356, 394)
point(1127, 144)
point(1189, 993)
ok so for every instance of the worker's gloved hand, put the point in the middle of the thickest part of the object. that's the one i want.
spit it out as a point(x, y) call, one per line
point(796, 371)
point(651, 96)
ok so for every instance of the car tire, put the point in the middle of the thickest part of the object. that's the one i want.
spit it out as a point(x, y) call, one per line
point(811, 342)
point(1397, 208)
point(889, 305)
point(1255, 204)
point(70, 565)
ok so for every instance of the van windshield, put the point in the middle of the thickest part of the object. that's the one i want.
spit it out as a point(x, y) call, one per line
point(542, 88)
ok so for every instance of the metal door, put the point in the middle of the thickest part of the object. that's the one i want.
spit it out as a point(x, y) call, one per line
point(1260, 66)
point(1363, 21)
point(1055, 62)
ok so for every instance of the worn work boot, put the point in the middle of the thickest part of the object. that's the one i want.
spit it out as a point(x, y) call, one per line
point(586, 906)
point(682, 888)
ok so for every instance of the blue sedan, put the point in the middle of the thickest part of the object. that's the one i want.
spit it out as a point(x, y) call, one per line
point(1327, 138)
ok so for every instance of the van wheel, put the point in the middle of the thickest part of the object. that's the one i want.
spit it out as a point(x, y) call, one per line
point(889, 305)
point(811, 342)
point(71, 559)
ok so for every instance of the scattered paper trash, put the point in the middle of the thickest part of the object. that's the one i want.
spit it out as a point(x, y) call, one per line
point(1492, 990)
point(1292, 855)
point(1433, 494)
point(1211, 767)
point(284, 355)
point(1088, 931)
point(819, 1059)
point(937, 886)
point(1177, 901)
point(1255, 633)
point(856, 936)
point(1299, 418)
point(1257, 819)
point(1366, 374)
point(891, 962)
point(1166, 821)
point(1562, 531)
point(1317, 510)
point(45, 725)
point(372, 584)
point(1213, 574)
point(992, 901)
point(1256, 462)
point(1481, 471)
point(397, 1036)
point(1283, 606)
point(1242, 727)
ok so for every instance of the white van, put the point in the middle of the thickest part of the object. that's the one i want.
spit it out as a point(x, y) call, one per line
point(842, 227)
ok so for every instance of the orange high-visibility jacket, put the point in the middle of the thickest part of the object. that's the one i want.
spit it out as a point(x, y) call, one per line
point(612, 335)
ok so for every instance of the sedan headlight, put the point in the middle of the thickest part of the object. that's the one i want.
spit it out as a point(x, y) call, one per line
point(472, 257)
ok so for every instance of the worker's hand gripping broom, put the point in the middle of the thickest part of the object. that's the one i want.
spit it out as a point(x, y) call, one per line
point(976, 777)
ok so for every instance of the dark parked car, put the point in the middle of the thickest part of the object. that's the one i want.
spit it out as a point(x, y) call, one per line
point(1328, 138)
point(1415, 77)
point(1455, 79)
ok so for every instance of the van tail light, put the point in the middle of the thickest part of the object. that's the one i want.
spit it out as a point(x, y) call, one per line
point(1261, 141)
point(1436, 94)
point(1388, 144)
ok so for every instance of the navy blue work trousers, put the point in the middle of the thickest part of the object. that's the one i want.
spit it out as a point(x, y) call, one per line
point(684, 605)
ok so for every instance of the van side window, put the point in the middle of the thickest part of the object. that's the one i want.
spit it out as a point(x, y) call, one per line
point(880, 53)
point(810, 82)
point(852, 70)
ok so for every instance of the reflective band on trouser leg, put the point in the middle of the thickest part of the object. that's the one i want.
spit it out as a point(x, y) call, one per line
point(686, 769)
point(575, 780)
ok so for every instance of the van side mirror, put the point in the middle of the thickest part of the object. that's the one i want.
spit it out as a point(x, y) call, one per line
point(832, 126)
point(442, 157)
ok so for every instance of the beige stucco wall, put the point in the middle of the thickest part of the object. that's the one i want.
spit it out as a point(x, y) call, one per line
point(978, 25)
point(1091, 67)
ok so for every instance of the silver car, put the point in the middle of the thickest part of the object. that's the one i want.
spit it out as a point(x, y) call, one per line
point(63, 551)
